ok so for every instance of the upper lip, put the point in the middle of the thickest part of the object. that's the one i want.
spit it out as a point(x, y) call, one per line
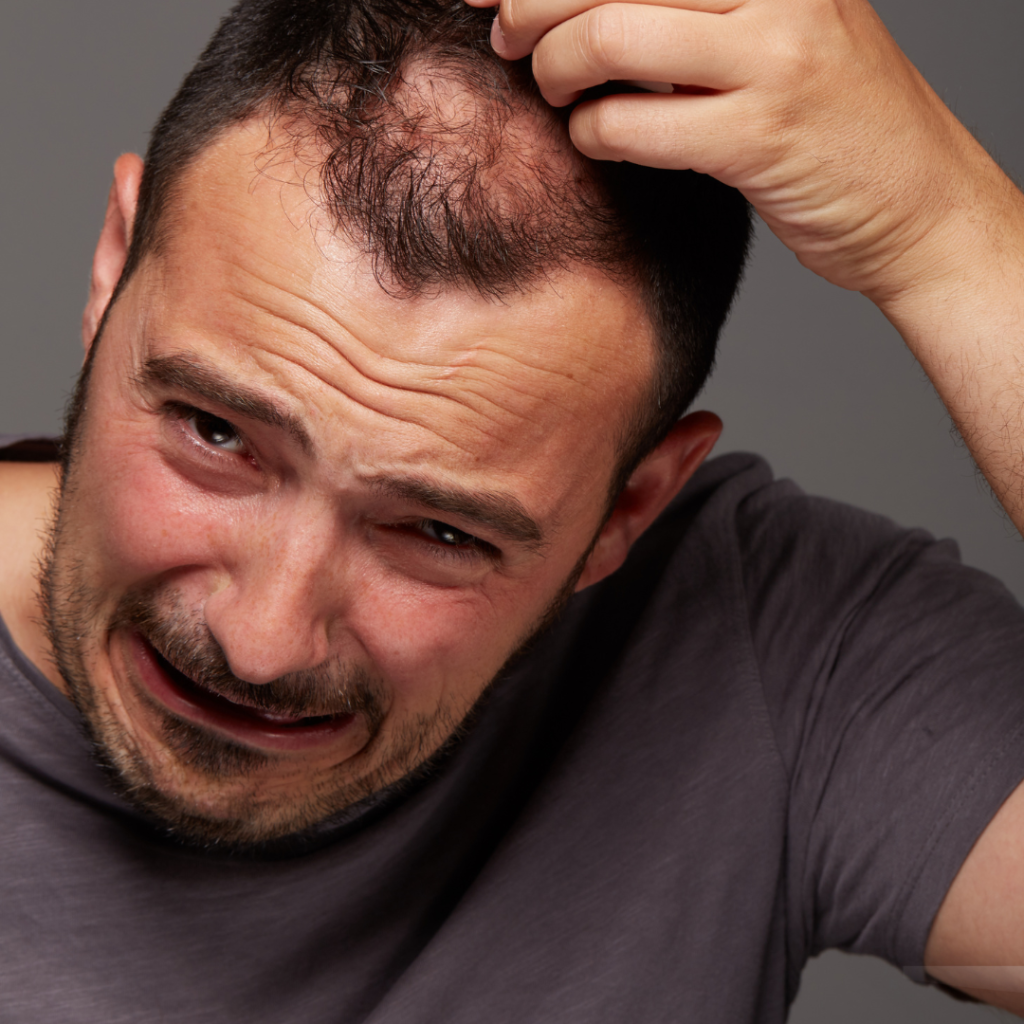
point(250, 705)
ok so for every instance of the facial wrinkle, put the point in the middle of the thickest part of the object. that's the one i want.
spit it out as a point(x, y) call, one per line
point(420, 417)
point(472, 390)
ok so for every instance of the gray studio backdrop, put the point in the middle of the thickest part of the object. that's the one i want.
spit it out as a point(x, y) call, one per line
point(812, 377)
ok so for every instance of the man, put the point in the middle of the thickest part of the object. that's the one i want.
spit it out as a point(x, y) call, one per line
point(379, 373)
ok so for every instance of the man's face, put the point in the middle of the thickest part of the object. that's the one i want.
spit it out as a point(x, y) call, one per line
point(308, 522)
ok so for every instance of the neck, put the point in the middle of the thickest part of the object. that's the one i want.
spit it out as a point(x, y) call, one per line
point(27, 492)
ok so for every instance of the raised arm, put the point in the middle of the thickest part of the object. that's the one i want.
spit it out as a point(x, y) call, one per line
point(811, 109)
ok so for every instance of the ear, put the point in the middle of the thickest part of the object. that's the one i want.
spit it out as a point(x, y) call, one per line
point(115, 238)
point(654, 483)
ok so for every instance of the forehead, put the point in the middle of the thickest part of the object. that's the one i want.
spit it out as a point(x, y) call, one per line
point(253, 277)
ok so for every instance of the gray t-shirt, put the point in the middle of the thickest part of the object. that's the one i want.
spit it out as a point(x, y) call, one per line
point(779, 728)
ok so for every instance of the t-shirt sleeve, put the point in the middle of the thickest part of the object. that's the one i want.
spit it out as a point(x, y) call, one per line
point(894, 678)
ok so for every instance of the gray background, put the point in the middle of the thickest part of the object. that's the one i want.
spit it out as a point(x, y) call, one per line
point(812, 377)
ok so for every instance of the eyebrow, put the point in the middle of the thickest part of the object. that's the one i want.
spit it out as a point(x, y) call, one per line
point(500, 512)
point(184, 373)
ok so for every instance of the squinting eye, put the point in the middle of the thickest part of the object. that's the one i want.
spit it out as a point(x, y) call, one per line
point(216, 432)
point(447, 535)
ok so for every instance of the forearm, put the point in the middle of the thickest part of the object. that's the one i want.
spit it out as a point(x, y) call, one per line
point(961, 312)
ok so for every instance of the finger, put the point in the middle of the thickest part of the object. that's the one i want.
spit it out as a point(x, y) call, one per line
point(619, 42)
point(709, 134)
point(522, 23)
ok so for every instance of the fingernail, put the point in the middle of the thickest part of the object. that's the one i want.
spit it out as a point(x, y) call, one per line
point(498, 37)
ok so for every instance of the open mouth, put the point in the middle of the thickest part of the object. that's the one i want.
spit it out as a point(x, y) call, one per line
point(215, 702)
point(186, 698)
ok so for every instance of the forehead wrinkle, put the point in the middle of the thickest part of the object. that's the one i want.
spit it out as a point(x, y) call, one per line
point(187, 372)
point(467, 377)
point(350, 344)
point(499, 510)
point(461, 381)
point(338, 348)
point(481, 355)
point(373, 362)
point(419, 415)
point(365, 402)
point(446, 377)
point(440, 385)
point(262, 355)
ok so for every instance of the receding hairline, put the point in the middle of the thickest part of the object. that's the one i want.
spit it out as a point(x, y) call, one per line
point(263, 124)
point(521, 144)
point(685, 235)
point(290, 130)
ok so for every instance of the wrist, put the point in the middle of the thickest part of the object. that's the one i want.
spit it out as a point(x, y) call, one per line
point(974, 247)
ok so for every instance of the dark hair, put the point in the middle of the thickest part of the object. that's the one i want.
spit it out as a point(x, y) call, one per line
point(441, 199)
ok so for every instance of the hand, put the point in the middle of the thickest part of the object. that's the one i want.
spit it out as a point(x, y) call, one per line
point(811, 110)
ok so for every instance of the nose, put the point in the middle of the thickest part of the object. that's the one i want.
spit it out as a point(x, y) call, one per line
point(281, 602)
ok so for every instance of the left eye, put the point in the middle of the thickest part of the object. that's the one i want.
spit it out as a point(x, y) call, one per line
point(216, 432)
point(447, 535)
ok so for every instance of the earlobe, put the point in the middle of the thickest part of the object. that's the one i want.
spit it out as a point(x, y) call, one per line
point(653, 484)
point(115, 239)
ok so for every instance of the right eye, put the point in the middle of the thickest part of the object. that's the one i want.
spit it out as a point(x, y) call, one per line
point(216, 432)
point(447, 535)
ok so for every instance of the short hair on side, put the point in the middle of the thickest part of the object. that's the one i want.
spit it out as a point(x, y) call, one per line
point(447, 192)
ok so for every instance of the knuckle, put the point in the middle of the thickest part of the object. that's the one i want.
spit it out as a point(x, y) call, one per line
point(545, 69)
point(785, 50)
point(607, 36)
point(607, 130)
point(788, 58)
point(514, 16)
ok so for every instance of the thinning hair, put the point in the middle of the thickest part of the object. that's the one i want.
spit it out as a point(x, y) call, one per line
point(446, 166)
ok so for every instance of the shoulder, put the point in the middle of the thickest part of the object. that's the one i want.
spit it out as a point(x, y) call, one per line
point(27, 493)
point(776, 535)
point(29, 477)
point(809, 573)
point(829, 599)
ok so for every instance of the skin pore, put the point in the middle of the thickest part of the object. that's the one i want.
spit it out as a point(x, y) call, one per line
point(308, 522)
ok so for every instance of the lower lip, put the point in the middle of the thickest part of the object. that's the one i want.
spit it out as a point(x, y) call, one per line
point(241, 726)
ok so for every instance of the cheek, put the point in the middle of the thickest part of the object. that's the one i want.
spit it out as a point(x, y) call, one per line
point(436, 643)
point(143, 519)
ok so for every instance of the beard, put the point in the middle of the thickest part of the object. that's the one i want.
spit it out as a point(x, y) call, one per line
point(206, 760)
point(196, 761)
point(203, 760)
point(186, 650)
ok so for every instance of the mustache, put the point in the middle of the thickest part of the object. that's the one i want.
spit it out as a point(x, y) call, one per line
point(190, 648)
